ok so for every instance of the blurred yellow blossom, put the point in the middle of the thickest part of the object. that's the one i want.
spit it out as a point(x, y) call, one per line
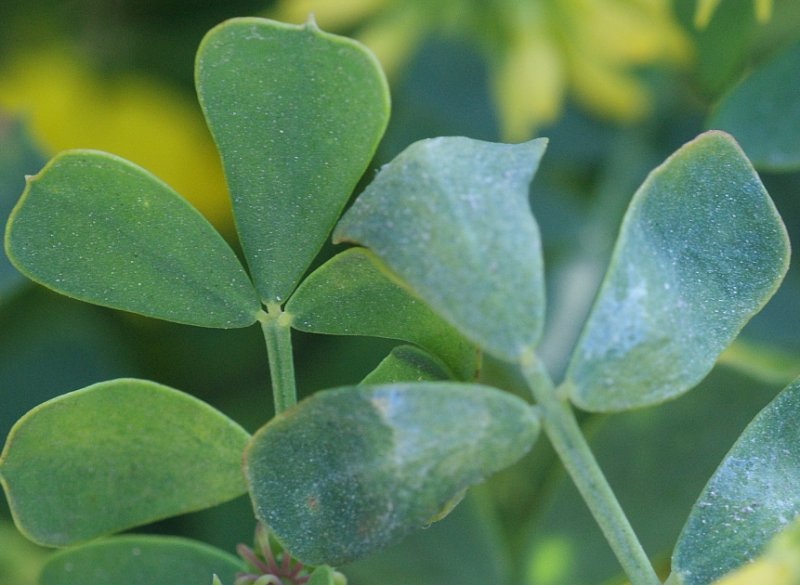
point(779, 565)
point(706, 8)
point(538, 50)
point(68, 106)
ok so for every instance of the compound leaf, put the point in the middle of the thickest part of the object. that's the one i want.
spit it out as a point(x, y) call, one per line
point(296, 114)
point(763, 113)
point(450, 217)
point(352, 294)
point(701, 250)
point(750, 498)
point(100, 229)
point(385, 460)
point(140, 560)
point(116, 455)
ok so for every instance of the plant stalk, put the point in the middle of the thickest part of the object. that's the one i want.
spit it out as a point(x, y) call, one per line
point(278, 335)
point(558, 421)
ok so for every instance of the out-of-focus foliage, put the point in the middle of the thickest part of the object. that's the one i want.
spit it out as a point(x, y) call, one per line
point(706, 8)
point(539, 50)
point(134, 116)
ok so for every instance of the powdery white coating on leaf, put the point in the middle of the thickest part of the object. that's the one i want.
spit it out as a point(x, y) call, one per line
point(700, 251)
point(752, 496)
point(451, 218)
point(351, 470)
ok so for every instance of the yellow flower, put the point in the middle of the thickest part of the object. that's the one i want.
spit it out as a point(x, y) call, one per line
point(538, 50)
point(149, 123)
point(779, 565)
point(706, 8)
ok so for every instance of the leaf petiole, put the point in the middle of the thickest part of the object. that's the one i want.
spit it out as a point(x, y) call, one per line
point(275, 324)
point(558, 421)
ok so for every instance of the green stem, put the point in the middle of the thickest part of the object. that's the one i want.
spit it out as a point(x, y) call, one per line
point(562, 429)
point(278, 335)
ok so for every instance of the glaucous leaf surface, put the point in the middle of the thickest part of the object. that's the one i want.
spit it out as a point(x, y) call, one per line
point(701, 250)
point(407, 363)
point(296, 114)
point(116, 455)
point(750, 498)
point(763, 113)
point(100, 229)
point(451, 218)
point(657, 460)
point(140, 560)
point(352, 294)
point(385, 461)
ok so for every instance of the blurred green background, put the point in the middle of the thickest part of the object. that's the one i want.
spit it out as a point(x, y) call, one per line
point(616, 85)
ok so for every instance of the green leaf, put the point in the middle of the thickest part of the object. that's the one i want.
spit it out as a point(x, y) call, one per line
point(763, 112)
point(140, 560)
point(751, 496)
point(351, 470)
point(656, 459)
point(701, 250)
point(98, 228)
point(296, 114)
point(451, 218)
point(116, 455)
point(407, 363)
point(352, 294)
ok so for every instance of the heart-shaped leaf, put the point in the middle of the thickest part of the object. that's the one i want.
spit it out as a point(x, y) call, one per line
point(450, 217)
point(407, 363)
point(100, 229)
point(352, 294)
point(350, 470)
point(116, 455)
point(763, 113)
point(296, 114)
point(750, 498)
point(140, 560)
point(701, 250)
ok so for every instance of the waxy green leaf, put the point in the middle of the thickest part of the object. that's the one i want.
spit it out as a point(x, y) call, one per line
point(100, 229)
point(407, 363)
point(352, 294)
point(351, 470)
point(117, 455)
point(140, 560)
point(296, 114)
point(763, 113)
point(701, 250)
point(450, 217)
point(750, 498)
